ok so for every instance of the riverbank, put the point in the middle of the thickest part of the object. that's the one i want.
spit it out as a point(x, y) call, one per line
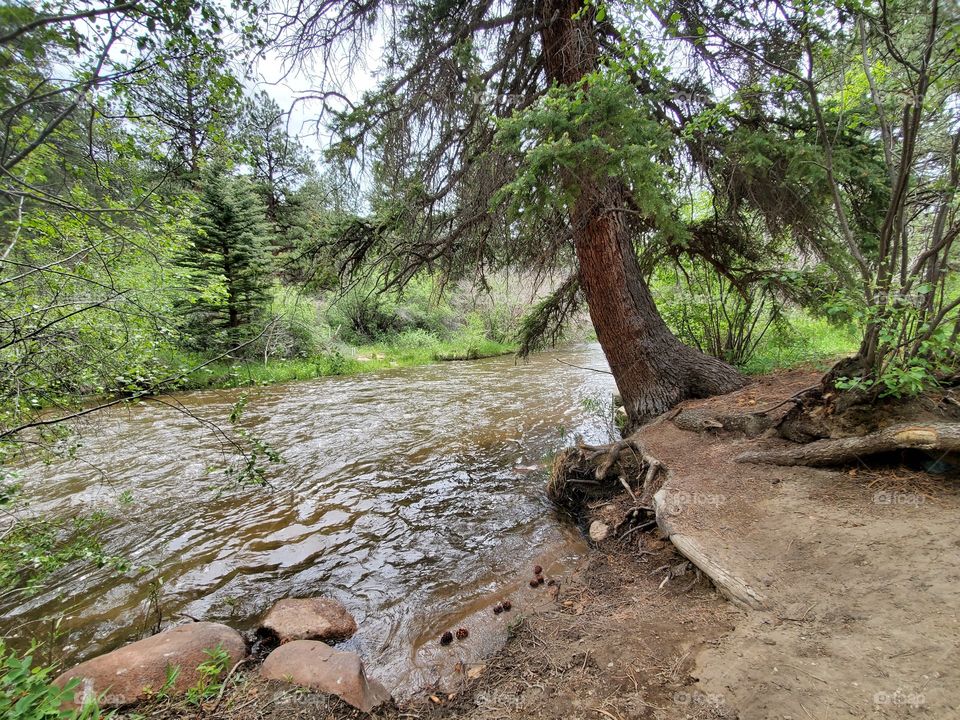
point(836, 599)
point(346, 360)
point(811, 342)
point(615, 641)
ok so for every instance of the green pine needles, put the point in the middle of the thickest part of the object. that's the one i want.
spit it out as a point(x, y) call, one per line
point(228, 264)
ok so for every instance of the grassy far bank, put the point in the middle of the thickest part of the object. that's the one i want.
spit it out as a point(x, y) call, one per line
point(345, 360)
point(804, 340)
point(363, 330)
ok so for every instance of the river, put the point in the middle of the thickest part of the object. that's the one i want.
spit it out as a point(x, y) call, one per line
point(405, 494)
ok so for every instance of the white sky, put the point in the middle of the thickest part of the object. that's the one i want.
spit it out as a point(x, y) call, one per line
point(288, 85)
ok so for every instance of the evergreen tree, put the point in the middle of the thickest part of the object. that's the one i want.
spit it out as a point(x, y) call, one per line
point(229, 260)
point(277, 160)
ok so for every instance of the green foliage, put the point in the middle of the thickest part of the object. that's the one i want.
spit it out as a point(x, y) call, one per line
point(801, 339)
point(759, 327)
point(364, 313)
point(255, 452)
point(210, 671)
point(595, 129)
point(712, 314)
point(916, 355)
point(32, 547)
point(228, 263)
point(27, 693)
point(279, 163)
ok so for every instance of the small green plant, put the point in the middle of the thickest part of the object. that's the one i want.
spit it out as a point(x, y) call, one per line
point(254, 450)
point(912, 355)
point(601, 408)
point(209, 684)
point(166, 690)
point(514, 627)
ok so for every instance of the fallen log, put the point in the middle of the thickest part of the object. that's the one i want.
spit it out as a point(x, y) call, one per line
point(943, 437)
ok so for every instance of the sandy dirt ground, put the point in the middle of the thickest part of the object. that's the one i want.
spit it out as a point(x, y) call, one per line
point(856, 571)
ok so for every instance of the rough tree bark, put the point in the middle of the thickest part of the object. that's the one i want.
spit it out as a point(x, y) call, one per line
point(653, 370)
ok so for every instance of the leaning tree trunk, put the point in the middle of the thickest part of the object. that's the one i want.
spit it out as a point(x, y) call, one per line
point(653, 370)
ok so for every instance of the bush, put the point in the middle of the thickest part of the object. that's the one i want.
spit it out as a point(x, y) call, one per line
point(362, 315)
point(416, 340)
point(707, 312)
point(295, 328)
point(365, 314)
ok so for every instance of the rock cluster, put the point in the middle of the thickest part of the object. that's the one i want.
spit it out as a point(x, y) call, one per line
point(138, 671)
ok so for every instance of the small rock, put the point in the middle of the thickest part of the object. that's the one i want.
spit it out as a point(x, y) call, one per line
point(316, 665)
point(307, 619)
point(131, 673)
point(599, 531)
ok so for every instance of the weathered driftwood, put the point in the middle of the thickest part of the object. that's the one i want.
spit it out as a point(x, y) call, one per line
point(944, 437)
point(734, 588)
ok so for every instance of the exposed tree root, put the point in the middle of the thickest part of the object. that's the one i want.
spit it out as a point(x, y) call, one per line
point(588, 471)
point(944, 437)
point(703, 420)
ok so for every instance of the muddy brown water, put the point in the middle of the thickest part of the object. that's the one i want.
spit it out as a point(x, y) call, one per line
point(406, 494)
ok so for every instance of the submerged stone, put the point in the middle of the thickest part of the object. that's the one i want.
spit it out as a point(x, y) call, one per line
point(307, 619)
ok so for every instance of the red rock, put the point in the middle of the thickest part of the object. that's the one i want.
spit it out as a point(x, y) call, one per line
point(307, 619)
point(316, 665)
point(132, 673)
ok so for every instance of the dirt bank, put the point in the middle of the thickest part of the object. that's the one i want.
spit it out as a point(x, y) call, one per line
point(852, 573)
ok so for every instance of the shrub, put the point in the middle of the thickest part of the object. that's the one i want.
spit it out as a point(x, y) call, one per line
point(26, 691)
